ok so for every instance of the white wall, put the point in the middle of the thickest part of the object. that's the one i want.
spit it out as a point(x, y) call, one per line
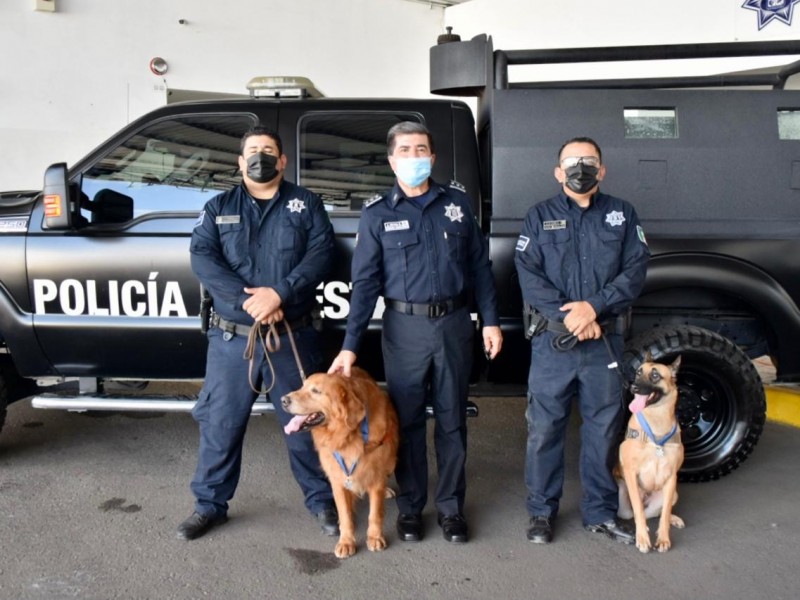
point(71, 78)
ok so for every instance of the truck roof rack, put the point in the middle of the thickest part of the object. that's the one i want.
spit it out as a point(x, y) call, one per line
point(466, 68)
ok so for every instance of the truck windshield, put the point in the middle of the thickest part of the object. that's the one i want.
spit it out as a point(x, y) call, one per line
point(173, 164)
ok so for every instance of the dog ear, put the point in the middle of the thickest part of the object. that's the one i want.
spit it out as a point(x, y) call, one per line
point(336, 393)
point(648, 357)
point(674, 366)
point(354, 408)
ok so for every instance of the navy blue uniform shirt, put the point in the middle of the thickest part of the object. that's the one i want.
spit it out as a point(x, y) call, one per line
point(420, 255)
point(566, 254)
point(287, 246)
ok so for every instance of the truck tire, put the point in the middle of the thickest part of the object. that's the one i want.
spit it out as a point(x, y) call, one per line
point(3, 403)
point(721, 403)
point(12, 387)
point(4, 393)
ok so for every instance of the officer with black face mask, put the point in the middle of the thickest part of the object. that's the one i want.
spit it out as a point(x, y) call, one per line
point(581, 259)
point(260, 250)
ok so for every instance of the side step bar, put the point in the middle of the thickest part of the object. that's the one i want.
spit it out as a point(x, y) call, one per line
point(138, 403)
point(145, 403)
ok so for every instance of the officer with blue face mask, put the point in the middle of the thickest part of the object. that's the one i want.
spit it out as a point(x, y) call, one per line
point(420, 247)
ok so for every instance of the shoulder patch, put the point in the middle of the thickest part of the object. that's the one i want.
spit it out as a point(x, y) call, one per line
point(640, 233)
point(457, 186)
point(370, 201)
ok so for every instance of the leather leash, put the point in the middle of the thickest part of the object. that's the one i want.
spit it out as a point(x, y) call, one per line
point(271, 342)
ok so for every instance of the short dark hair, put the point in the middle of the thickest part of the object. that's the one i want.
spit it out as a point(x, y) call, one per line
point(260, 131)
point(405, 128)
point(579, 140)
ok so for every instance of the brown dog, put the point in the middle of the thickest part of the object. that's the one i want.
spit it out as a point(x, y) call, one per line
point(649, 460)
point(355, 431)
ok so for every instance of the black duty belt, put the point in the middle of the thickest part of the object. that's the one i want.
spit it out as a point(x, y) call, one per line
point(539, 324)
point(432, 310)
point(233, 328)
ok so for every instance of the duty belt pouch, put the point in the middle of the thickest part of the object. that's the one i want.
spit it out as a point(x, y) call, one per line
point(316, 317)
point(622, 324)
point(532, 322)
point(206, 304)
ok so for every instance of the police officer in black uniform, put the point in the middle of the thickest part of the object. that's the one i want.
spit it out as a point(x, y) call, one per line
point(260, 249)
point(420, 247)
point(581, 259)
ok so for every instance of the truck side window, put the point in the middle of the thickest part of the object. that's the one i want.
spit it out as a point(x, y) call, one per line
point(651, 123)
point(789, 124)
point(174, 164)
point(343, 156)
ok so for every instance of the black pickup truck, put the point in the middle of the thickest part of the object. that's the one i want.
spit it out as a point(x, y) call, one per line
point(96, 288)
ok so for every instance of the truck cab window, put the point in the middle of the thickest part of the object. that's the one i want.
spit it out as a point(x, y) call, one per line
point(174, 164)
point(343, 156)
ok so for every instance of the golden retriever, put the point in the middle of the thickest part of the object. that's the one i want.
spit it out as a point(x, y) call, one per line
point(355, 431)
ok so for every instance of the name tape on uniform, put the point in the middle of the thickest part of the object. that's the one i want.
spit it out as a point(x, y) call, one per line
point(396, 225)
point(551, 225)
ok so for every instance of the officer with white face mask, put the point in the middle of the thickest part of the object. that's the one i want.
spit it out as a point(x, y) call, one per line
point(420, 247)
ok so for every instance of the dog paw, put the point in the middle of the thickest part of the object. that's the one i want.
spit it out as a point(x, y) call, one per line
point(643, 542)
point(376, 543)
point(676, 522)
point(663, 544)
point(345, 549)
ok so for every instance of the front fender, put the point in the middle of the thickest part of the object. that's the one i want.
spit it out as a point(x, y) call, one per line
point(16, 329)
point(743, 281)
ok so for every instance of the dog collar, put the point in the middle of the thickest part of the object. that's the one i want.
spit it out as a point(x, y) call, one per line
point(646, 426)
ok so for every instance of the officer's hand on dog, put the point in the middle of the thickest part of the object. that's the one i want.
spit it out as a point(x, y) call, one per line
point(492, 341)
point(342, 363)
point(580, 315)
point(262, 303)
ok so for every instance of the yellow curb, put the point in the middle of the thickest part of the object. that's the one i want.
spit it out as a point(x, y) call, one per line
point(783, 405)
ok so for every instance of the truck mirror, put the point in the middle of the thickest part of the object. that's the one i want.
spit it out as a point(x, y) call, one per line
point(59, 208)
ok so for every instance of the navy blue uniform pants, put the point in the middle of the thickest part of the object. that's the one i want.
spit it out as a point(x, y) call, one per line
point(429, 359)
point(223, 410)
point(556, 378)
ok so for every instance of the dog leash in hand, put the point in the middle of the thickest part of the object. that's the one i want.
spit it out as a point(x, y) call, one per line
point(658, 442)
point(348, 483)
point(271, 342)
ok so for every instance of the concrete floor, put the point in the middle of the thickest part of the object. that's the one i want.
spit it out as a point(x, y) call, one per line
point(89, 504)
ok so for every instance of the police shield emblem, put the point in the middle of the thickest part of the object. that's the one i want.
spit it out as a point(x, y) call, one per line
point(453, 212)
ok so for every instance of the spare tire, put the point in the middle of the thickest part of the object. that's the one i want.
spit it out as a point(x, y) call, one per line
point(721, 401)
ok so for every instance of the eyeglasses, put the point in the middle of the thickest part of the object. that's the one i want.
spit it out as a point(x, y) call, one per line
point(572, 161)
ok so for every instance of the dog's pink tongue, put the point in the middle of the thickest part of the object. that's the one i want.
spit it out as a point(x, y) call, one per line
point(638, 404)
point(294, 425)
